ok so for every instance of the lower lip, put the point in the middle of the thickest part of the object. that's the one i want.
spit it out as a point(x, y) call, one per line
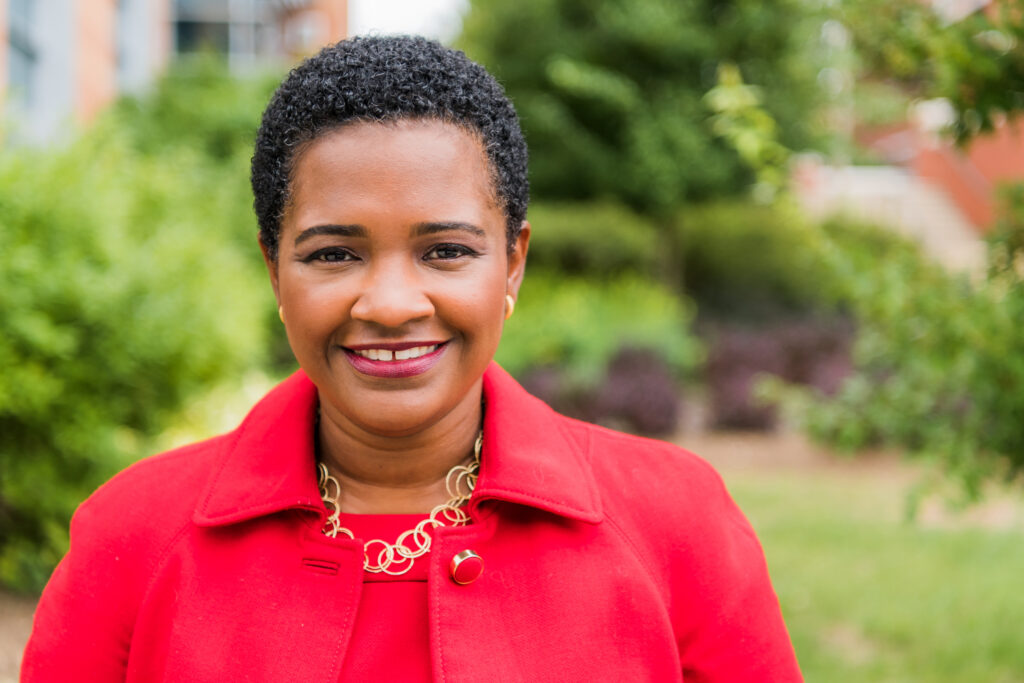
point(395, 368)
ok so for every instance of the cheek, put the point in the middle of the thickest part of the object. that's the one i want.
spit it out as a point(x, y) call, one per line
point(313, 309)
point(487, 296)
point(478, 311)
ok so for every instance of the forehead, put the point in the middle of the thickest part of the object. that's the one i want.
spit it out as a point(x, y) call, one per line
point(426, 165)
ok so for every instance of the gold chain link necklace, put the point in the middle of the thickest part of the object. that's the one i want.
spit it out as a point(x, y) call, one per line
point(398, 557)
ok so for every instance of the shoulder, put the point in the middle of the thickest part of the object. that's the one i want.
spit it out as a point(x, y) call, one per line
point(651, 474)
point(119, 536)
point(172, 479)
point(671, 507)
point(148, 502)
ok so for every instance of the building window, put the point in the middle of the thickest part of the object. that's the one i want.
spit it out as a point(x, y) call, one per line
point(202, 36)
point(22, 55)
point(242, 30)
point(121, 33)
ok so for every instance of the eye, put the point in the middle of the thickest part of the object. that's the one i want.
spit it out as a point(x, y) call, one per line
point(448, 252)
point(330, 255)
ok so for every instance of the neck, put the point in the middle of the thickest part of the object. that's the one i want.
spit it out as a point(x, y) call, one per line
point(385, 474)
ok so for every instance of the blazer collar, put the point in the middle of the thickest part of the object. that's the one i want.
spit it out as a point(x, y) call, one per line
point(529, 457)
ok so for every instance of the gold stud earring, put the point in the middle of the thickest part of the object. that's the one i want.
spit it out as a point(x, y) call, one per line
point(280, 313)
point(510, 305)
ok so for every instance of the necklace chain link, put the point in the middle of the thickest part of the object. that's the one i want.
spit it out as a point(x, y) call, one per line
point(397, 558)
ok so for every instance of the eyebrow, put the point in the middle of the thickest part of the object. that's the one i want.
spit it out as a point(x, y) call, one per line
point(444, 226)
point(431, 228)
point(340, 230)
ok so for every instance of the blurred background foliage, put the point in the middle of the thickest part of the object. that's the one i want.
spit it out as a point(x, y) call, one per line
point(669, 269)
point(129, 285)
point(611, 93)
point(939, 358)
point(975, 61)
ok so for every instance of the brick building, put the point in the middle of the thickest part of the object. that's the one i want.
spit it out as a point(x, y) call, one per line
point(61, 61)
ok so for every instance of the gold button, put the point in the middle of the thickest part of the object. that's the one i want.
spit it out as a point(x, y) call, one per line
point(466, 567)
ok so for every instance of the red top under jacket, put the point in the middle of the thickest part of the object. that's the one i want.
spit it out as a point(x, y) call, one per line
point(391, 633)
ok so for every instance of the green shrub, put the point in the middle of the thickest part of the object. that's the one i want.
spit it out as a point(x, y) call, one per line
point(611, 94)
point(198, 104)
point(753, 262)
point(122, 294)
point(579, 324)
point(940, 360)
point(201, 120)
point(739, 260)
point(592, 238)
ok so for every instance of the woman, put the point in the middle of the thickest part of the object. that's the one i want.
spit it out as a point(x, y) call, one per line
point(400, 509)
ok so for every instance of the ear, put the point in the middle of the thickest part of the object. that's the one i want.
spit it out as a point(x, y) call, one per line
point(517, 260)
point(271, 268)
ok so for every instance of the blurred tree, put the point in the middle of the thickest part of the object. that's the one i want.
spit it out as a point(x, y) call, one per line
point(741, 119)
point(611, 92)
point(974, 61)
point(938, 368)
point(130, 284)
point(939, 357)
point(200, 110)
point(120, 299)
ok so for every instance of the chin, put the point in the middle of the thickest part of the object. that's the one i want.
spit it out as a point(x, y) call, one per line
point(393, 413)
point(399, 423)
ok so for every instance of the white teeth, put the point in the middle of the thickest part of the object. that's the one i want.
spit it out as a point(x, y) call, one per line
point(404, 354)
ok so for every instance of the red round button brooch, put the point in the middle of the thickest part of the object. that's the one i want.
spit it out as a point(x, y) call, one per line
point(466, 567)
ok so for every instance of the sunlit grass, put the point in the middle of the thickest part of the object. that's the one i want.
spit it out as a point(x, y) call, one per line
point(871, 598)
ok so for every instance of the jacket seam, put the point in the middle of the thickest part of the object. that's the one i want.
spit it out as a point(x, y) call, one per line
point(211, 482)
point(582, 455)
point(435, 595)
point(348, 626)
point(254, 512)
point(640, 556)
point(164, 555)
point(551, 502)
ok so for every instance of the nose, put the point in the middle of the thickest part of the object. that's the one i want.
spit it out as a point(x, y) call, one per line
point(392, 295)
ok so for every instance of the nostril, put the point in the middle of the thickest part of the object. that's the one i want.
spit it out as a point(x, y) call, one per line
point(392, 306)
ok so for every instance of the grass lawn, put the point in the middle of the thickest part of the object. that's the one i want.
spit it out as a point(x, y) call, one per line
point(871, 598)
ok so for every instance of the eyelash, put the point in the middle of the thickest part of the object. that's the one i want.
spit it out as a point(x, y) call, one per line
point(461, 250)
point(337, 255)
point(320, 254)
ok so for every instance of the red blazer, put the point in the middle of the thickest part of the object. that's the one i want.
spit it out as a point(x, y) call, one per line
point(607, 557)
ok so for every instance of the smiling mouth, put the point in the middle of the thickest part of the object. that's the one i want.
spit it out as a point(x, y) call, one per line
point(389, 355)
point(396, 360)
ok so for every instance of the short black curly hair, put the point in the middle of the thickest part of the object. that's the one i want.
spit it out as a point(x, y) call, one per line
point(382, 79)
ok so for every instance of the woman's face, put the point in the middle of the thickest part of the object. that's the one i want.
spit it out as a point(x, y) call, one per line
point(392, 272)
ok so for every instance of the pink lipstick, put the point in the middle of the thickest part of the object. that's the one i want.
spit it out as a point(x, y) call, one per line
point(395, 360)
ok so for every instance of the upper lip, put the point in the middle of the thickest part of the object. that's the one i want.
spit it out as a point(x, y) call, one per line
point(391, 346)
